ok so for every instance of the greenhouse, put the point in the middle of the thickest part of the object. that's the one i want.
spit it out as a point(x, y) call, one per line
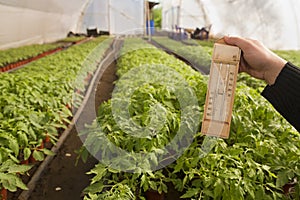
point(149, 99)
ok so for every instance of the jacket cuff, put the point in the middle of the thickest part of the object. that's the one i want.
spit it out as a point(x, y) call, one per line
point(284, 94)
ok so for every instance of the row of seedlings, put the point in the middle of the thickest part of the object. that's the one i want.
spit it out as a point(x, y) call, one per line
point(15, 57)
point(195, 54)
point(147, 138)
point(35, 106)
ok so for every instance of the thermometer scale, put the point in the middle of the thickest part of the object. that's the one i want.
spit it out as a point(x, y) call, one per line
point(220, 91)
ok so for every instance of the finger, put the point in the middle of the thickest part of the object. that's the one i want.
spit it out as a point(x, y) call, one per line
point(237, 41)
point(242, 66)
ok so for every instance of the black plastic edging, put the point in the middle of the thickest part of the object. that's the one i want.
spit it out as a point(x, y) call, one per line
point(110, 56)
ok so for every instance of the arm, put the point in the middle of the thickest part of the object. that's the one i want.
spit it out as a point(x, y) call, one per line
point(284, 95)
point(283, 78)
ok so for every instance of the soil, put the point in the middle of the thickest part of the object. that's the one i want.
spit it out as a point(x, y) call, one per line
point(63, 180)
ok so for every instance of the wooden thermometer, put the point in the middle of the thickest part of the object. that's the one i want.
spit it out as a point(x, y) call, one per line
point(220, 91)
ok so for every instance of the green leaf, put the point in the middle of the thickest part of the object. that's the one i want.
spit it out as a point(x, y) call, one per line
point(282, 179)
point(11, 142)
point(154, 158)
point(100, 172)
point(31, 133)
point(94, 188)
point(185, 179)
point(208, 193)
point(162, 188)
point(51, 130)
point(20, 184)
point(38, 155)
point(14, 145)
point(192, 192)
point(5, 166)
point(19, 168)
point(13, 158)
point(218, 188)
point(11, 182)
point(144, 182)
point(23, 140)
point(265, 167)
point(27, 153)
point(47, 152)
point(153, 185)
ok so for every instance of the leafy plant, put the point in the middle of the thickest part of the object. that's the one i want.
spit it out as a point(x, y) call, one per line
point(195, 54)
point(17, 54)
point(291, 55)
point(34, 105)
point(260, 157)
point(8, 175)
point(72, 39)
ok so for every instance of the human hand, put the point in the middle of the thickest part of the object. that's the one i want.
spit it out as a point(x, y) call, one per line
point(257, 60)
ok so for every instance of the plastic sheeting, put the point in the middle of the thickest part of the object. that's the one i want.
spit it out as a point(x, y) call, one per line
point(274, 22)
point(38, 21)
point(127, 17)
point(115, 16)
point(95, 17)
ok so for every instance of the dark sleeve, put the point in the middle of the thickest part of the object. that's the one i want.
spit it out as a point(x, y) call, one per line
point(284, 95)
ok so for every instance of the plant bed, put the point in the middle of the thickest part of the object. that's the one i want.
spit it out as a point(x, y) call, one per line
point(11, 59)
point(74, 39)
point(196, 54)
point(63, 174)
point(15, 55)
point(259, 158)
point(41, 97)
point(18, 64)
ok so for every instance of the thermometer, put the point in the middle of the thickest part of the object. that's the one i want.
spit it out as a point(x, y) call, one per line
point(220, 92)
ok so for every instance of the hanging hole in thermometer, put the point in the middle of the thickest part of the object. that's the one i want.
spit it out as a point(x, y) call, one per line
point(220, 92)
